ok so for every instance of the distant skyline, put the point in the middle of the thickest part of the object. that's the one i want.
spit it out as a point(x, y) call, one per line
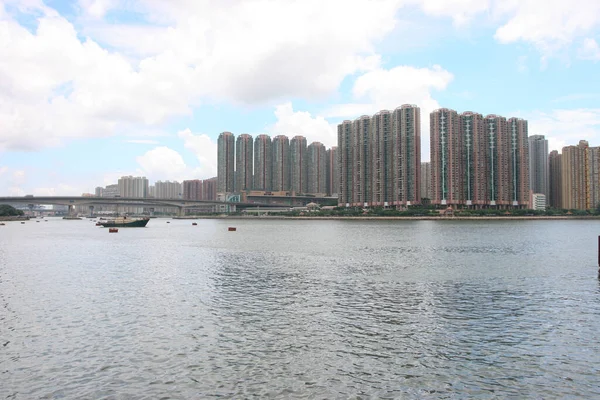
point(93, 90)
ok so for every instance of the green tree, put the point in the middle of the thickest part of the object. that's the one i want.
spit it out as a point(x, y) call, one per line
point(9, 211)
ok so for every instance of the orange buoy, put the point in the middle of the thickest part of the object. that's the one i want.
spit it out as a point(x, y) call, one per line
point(232, 229)
point(113, 230)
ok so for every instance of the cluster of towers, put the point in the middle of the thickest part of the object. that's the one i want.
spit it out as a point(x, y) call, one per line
point(275, 165)
point(574, 177)
point(380, 159)
point(478, 161)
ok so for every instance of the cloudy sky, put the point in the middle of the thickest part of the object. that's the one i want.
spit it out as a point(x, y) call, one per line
point(94, 89)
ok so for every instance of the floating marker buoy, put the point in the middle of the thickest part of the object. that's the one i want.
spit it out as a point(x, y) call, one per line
point(113, 230)
point(193, 223)
point(22, 222)
point(168, 222)
point(232, 229)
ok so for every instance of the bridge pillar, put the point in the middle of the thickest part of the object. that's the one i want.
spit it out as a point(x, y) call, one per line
point(151, 210)
point(180, 211)
point(71, 210)
point(91, 210)
point(30, 206)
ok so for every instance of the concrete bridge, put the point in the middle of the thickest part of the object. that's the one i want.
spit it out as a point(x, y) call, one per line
point(151, 203)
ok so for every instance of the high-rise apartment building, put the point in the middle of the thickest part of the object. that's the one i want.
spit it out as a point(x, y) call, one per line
point(168, 190)
point(538, 165)
point(446, 158)
point(192, 189)
point(333, 172)
point(317, 168)
point(226, 162)
point(406, 157)
point(362, 177)
point(519, 162)
point(263, 163)
point(346, 158)
point(298, 165)
point(426, 180)
point(244, 162)
point(477, 161)
point(130, 186)
point(496, 131)
point(555, 179)
point(380, 159)
point(580, 177)
point(573, 174)
point(281, 163)
point(209, 189)
point(593, 177)
point(476, 145)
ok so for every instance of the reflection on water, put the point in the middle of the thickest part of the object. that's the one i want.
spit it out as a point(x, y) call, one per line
point(295, 309)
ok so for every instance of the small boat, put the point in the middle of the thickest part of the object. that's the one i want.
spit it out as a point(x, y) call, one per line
point(113, 230)
point(232, 229)
point(2, 224)
point(193, 223)
point(124, 222)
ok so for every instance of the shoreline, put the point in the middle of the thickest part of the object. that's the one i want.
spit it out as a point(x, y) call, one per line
point(14, 218)
point(423, 218)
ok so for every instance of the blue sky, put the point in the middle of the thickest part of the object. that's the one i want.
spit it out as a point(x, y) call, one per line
point(94, 89)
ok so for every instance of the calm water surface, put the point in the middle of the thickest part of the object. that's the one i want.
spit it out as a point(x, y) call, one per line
point(300, 309)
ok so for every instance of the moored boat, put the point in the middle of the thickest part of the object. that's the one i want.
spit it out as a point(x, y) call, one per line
point(124, 222)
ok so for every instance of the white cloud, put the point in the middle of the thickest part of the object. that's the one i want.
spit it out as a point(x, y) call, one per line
point(292, 123)
point(550, 25)
point(3, 170)
point(54, 86)
point(162, 163)
point(589, 50)
point(566, 127)
point(387, 89)
point(461, 11)
point(205, 150)
point(97, 8)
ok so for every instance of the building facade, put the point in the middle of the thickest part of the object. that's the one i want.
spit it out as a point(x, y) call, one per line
point(555, 179)
point(538, 165)
point(281, 163)
point(333, 172)
point(298, 165)
point(426, 180)
point(406, 157)
point(244, 164)
point(573, 176)
point(362, 177)
point(263, 163)
point(226, 162)
point(317, 168)
point(479, 161)
point(345, 160)
point(168, 190)
point(379, 159)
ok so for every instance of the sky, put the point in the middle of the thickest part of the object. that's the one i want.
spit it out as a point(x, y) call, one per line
point(92, 90)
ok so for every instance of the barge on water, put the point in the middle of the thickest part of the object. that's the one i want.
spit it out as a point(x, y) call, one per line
point(124, 222)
